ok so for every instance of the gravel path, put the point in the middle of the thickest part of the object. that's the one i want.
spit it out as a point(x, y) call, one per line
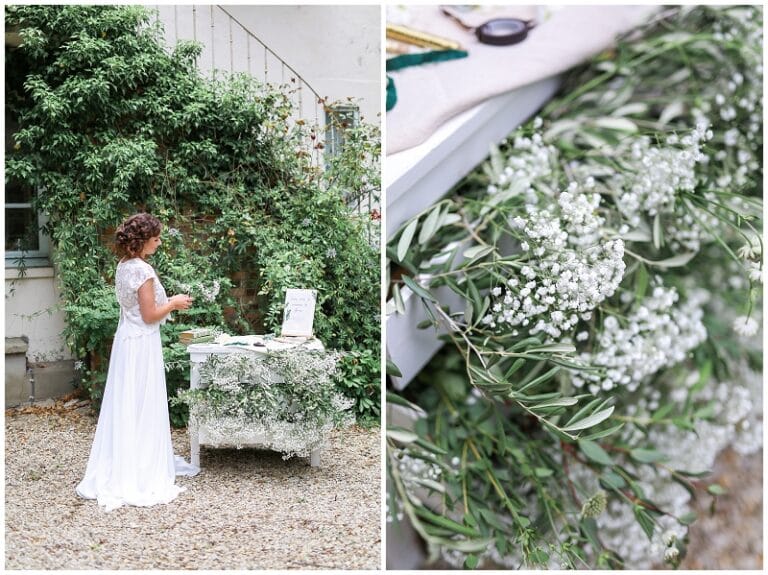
point(247, 509)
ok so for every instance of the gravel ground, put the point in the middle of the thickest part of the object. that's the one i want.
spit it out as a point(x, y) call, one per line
point(732, 536)
point(247, 509)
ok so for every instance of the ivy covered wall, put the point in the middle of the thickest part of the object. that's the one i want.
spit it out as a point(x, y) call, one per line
point(111, 124)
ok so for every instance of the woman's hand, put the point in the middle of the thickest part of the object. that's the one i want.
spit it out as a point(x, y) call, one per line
point(152, 313)
point(181, 301)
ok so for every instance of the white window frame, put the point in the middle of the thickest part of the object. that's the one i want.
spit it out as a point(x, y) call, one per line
point(36, 258)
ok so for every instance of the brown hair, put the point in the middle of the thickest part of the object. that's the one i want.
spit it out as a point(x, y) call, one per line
point(134, 232)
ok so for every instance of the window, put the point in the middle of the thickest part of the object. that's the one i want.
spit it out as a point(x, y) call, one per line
point(337, 120)
point(23, 225)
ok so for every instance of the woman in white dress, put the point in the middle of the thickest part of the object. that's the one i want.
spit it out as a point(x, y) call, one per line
point(132, 460)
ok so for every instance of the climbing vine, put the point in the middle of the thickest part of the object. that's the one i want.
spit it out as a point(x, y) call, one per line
point(112, 122)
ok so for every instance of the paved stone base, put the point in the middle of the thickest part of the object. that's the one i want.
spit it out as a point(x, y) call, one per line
point(53, 379)
point(16, 382)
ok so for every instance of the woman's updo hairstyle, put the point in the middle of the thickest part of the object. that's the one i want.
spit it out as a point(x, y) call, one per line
point(134, 232)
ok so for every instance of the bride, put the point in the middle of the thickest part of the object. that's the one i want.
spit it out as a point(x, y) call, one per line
point(132, 460)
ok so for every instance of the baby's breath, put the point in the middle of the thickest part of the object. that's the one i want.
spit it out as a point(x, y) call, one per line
point(287, 401)
point(608, 347)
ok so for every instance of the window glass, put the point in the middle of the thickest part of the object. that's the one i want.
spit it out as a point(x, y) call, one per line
point(17, 194)
point(21, 231)
point(337, 120)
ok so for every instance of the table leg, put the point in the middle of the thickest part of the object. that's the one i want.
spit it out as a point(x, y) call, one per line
point(194, 448)
point(314, 457)
point(194, 436)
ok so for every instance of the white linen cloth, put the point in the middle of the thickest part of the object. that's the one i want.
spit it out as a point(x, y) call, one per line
point(431, 94)
point(132, 460)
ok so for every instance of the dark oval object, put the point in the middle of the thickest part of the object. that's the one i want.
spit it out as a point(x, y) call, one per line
point(502, 31)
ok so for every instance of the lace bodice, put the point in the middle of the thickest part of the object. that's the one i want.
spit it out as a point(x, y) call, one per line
point(129, 277)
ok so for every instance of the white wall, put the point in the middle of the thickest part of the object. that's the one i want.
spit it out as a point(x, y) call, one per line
point(335, 49)
point(30, 310)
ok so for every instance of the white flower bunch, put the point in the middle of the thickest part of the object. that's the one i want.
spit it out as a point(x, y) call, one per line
point(290, 438)
point(739, 94)
point(342, 404)
point(568, 271)
point(653, 180)
point(415, 470)
point(735, 419)
point(209, 294)
point(745, 326)
point(200, 290)
point(396, 514)
point(232, 373)
point(581, 219)
point(659, 333)
point(534, 161)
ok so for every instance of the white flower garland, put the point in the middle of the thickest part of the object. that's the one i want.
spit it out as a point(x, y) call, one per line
point(286, 401)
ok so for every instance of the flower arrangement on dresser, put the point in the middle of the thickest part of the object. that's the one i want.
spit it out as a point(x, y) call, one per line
point(286, 401)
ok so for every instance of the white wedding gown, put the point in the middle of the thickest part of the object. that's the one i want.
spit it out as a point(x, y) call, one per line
point(132, 460)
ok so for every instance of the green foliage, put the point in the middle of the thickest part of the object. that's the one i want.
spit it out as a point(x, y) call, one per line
point(524, 458)
point(111, 123)
point(92, 321)
point(355, 369)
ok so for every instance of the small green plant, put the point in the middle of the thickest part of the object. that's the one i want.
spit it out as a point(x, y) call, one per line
point(356, 368)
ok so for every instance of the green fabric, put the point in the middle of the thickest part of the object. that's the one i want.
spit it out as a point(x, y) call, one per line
point(407, 60)
point(391, 94)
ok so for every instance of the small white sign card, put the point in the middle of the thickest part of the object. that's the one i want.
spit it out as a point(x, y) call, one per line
point(299, 312)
